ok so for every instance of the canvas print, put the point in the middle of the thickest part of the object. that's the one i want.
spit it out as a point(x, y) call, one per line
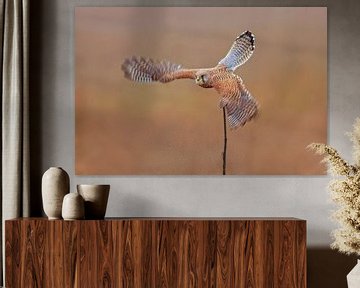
point(199, 91)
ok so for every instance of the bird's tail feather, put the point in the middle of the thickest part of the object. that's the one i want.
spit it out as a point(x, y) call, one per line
point(148, 70)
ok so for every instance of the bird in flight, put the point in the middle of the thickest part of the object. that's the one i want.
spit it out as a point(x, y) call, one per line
point(240, 106)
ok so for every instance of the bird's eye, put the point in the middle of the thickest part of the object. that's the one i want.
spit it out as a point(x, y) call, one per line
point(203, 78)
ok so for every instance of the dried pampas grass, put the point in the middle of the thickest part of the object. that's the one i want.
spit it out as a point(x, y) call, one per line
point(345, 192)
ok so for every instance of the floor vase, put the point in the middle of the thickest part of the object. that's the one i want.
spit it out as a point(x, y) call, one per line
point(353, 278)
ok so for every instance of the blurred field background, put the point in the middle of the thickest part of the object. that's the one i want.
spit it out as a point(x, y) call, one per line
point(127, 128)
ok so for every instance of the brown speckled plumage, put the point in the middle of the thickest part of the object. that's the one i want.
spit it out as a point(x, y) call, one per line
point(240, 106)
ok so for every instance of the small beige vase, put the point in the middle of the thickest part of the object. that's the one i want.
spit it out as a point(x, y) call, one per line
point(96, 198)
point(55, 185)
point(73, 207)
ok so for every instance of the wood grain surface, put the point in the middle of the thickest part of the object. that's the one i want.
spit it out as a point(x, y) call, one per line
point(153, 252)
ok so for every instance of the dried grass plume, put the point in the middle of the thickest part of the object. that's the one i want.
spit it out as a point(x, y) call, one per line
point(345, 192)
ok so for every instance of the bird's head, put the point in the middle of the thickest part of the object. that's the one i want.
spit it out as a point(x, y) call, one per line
point(202, 78)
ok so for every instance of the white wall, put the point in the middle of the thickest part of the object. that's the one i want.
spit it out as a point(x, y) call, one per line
point(53, 122)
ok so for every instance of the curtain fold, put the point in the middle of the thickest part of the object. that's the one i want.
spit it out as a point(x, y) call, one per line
point(14, 112)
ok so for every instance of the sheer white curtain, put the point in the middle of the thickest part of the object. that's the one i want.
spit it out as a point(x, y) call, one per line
point(14, 25)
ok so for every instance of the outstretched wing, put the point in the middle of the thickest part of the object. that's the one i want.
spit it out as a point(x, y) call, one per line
point(240, 106)
point(240, 51)
point(148, 70)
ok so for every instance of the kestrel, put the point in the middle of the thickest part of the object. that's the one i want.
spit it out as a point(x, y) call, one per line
point(236, 99)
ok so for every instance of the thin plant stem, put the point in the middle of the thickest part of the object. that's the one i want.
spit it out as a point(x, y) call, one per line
point(225, 143)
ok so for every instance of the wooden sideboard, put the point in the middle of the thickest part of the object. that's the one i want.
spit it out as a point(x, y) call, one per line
point(156, 252)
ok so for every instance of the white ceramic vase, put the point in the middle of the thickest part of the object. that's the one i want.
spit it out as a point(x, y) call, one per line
point(96, 198)
point(55, 185)
point(353, 278)
point(73, 207)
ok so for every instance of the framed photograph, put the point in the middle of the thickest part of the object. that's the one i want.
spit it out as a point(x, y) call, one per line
point(200, 91)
